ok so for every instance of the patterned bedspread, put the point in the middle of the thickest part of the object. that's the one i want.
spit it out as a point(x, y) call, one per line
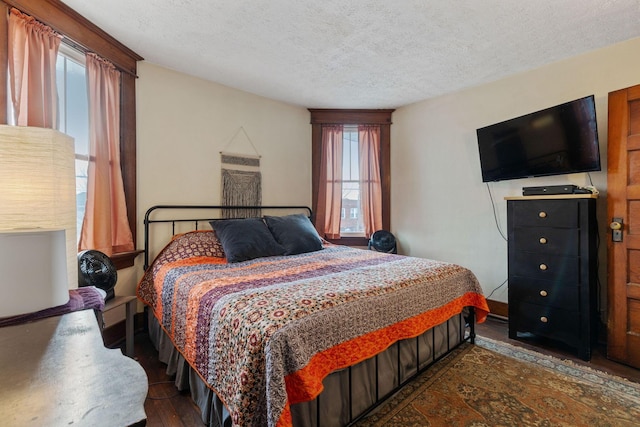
point(264, 333)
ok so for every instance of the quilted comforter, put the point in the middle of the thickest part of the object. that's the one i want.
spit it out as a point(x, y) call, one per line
point(264, 333)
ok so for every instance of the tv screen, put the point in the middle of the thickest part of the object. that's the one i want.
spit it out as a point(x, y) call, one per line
point(558, 140)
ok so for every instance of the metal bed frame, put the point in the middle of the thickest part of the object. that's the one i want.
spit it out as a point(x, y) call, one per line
point(148, 221)
point(404, 379)
point(466, 323)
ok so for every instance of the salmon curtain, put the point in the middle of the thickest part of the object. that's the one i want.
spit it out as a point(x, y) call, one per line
point(105, 227)
point(32, 50)
point(370, 183)
point(330, 188)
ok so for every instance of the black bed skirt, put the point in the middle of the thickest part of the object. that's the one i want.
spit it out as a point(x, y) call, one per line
point(348, 393)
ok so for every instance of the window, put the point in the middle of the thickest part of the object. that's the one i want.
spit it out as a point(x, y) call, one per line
point(77, 29)
point(351, 195)
point(353, 226)
point(73, 115)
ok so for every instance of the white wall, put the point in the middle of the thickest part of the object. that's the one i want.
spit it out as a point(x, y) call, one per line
point(440, 207)
point(182, 125)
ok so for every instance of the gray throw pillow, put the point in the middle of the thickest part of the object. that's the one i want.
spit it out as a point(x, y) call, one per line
point(245, 239)
point(295, 233)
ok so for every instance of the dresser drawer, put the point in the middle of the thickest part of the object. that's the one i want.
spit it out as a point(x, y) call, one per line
point(545, 213)
point(543, 266)
point(561, 325)
point(543, 292)
point(563, 241)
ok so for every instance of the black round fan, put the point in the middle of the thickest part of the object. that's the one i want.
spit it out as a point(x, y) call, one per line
point(383, 241)
point(96, 269)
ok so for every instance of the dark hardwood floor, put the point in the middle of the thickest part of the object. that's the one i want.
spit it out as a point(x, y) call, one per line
point(166, 407)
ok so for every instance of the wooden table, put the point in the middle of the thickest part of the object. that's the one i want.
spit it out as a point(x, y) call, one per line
point(57, 372)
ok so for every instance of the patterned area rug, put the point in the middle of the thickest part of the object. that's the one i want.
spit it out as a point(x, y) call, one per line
point(496, 384)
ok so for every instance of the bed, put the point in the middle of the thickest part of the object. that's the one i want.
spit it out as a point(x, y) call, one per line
point(298, 332)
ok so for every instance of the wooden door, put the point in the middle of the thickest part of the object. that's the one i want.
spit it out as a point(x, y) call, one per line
point(623, 202)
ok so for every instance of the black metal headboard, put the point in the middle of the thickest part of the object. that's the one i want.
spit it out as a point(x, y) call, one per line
point(186, 208)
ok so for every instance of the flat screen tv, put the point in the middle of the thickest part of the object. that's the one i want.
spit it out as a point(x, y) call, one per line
point(557, 140)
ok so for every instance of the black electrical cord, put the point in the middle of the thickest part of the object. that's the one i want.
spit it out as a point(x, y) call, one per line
point(165, 397)
point(496, 288)
point(495, 214)
point(495, 218)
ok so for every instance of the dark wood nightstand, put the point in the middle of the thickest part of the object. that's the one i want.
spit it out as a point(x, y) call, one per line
point(130, 306)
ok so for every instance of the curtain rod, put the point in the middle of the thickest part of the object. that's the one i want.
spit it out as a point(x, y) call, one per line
point(74, 45)
point(68, 41)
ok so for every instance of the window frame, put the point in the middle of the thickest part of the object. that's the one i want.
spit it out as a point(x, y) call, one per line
point(382, 117)
point(84, 35)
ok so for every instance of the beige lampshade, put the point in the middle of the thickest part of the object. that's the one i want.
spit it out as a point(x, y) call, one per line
point(37, 186)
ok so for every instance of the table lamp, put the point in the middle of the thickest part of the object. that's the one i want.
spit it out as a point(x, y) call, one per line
point(38, 243)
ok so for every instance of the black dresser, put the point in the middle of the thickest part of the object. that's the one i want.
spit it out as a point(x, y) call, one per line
point(553, 269)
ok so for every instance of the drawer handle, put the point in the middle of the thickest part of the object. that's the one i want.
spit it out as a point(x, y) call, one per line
point(544, 319)
point(543, 267)
point(542, 214)
point(543, 240)
point(543, 293)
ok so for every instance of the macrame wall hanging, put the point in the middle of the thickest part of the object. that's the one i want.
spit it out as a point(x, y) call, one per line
point(241, 179)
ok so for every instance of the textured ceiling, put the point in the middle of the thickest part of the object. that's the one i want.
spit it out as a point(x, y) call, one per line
point(360, 53)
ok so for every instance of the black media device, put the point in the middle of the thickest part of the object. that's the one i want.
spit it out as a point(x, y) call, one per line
point(557, 140)
point(549, 189)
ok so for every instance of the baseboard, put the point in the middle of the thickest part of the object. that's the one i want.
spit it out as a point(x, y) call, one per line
point(499, 309)
point(115, 334)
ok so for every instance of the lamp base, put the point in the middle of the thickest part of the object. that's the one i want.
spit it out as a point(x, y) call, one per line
point(34, 271)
